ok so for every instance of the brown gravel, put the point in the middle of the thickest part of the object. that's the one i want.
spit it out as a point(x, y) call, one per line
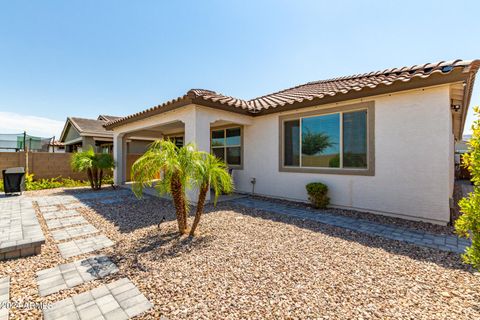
point(252, 264)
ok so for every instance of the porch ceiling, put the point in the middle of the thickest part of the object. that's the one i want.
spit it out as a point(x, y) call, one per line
point(158, 131)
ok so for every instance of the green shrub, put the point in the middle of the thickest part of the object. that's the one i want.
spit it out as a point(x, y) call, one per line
point(58, 182)
point(468, 224)
point(317, 194)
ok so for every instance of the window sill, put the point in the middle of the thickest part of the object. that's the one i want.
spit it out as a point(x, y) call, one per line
point(352, 172)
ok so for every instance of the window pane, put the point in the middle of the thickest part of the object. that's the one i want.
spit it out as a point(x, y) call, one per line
point(321, 141)
point(219, 153)
point(179, 141)
point(291, 142)
point(233, 137)
point(218, 138)
point(234, 155)
point(355, 139)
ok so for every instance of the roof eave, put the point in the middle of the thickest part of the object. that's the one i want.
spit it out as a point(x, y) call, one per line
point(470, 71)
point(180, 102)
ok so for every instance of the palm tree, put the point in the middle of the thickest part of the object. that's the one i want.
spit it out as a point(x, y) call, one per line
point(94, 164)
point(210, 172)
point(176, 166)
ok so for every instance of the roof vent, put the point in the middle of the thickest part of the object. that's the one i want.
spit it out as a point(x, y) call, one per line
point(447, 68)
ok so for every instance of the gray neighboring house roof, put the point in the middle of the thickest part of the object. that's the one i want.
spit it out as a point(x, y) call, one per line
point(88, 127)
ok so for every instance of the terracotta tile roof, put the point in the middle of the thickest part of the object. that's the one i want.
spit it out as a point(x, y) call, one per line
point(57, 143)
point(315, 91)
point(343, 85)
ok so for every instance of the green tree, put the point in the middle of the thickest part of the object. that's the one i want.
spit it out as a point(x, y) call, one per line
point(93, 164)
point(210, 172)
point(313, 143)
point(468, 224)
point(181, 169)
point(174, 167)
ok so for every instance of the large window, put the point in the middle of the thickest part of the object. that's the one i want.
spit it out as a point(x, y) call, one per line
point(323, 142)
point(226, 144)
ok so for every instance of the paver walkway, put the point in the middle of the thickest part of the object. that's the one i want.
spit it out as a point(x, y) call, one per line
point(65, 222)
point(73, 232)
point(59, 214)
point(424, 239)
point(20, 231)
point(118, 300)
point(69, 275)
point(4, 297)
point(75, 205)
point(81, 246)
point(103, 194)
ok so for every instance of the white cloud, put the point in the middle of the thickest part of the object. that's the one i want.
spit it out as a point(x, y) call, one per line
point(11, 122)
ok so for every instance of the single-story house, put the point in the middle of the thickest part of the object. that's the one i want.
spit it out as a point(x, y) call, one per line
point(80, 134)
point(383, 142)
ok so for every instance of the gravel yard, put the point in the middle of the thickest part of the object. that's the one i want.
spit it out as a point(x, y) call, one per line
point(251, 264)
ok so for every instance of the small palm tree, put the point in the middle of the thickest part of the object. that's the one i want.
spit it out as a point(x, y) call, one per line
point(210, 172)
point(176, 167)
point(94, 164)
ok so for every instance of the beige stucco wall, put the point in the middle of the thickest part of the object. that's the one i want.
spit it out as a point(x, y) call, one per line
point(413, 166)
point(413, 155)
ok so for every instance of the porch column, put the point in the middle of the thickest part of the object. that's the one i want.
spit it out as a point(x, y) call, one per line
point(119, 155)
point(197, 130)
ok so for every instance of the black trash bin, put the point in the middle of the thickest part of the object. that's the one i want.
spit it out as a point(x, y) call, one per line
point(13, 180)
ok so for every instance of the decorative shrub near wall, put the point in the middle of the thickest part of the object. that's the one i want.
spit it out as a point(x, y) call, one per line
point(317, 194)
point(468, 224)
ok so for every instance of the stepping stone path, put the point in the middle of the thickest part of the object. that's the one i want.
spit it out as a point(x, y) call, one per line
point(103, 194)
point(73, 232)
point(19, 225)
point(49, 201)
point(75, 205)
point(81, 246)
point(20, 231)
point(65, 222)
point(4, 297)
point(73, 274)
point(48, 209)
point(118, 300)
point(60, 214)
point(420, 238)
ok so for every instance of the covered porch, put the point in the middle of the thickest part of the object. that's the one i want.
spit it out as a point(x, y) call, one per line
point(216, 131)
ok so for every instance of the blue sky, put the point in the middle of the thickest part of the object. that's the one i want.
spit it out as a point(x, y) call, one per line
point(84, 58)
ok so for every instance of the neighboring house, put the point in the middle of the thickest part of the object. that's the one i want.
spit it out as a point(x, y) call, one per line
point(462, 145)
point(383, 142)
point(56, 147)
point(80, 134)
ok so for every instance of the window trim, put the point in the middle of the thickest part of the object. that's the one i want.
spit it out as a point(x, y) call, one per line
point(369, 171)
point(242, 146)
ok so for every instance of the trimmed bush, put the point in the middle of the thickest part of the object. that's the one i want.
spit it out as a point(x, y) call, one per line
point(317, 194)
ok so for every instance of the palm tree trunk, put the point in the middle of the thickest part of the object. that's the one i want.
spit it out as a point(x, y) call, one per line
point(95, 177)
point(100, 179)
point(200, 205)
point(179, 202)
point(90, 177)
